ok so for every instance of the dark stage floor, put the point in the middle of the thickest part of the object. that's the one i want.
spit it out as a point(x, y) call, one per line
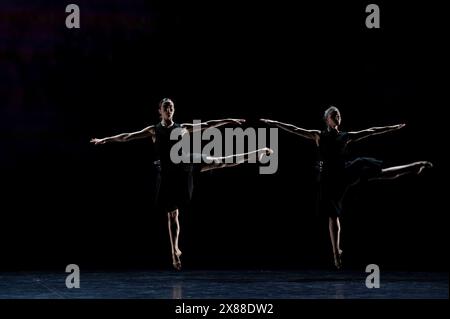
point(223, 285)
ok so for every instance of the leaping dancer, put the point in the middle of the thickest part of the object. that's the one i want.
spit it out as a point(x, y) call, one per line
point(173, 188)
point(336, 174)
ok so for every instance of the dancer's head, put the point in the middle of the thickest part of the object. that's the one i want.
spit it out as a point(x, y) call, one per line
point(166, 109)
point(332, 117)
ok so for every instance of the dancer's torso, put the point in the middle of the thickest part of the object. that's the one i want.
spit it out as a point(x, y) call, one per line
point(163, 145)
point(332, 151)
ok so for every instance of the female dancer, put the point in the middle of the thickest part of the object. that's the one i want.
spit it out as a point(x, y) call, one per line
point(175, 183)
point(336, 174)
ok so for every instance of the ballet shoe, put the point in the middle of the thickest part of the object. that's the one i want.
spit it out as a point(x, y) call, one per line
point(177, 262)
point(177, 265)
point(338, 260)
point(265, 151)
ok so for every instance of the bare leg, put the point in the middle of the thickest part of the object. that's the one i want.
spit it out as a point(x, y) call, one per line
point(174, 233)
point(219, 162)
point(397, 171)
point(335, 233)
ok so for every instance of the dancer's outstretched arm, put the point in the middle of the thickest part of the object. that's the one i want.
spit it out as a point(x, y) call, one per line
point(125, 137)
point(309, 134)
point(359, 135)
point(195, 127)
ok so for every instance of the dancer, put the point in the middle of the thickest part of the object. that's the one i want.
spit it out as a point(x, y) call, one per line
point(175, 180)
point(336, 174)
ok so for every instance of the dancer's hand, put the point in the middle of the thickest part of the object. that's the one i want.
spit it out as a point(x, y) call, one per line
point(98, 141)
point(237, 121)
point(398, 126)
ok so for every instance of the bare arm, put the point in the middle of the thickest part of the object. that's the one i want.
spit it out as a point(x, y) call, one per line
point(309, 134)
point(125, 137)
point(359, 135)
point(195, 127)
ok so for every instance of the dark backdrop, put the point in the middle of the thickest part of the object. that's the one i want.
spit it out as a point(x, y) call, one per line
point(65, 201)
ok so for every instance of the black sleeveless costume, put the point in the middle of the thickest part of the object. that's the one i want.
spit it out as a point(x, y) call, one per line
point(174, 182)
point(336, 174)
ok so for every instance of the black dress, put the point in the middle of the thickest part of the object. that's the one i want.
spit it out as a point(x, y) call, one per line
point(336, 174)
point(174, 182)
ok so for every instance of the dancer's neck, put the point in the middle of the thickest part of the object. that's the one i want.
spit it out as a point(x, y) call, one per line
point(167, 123)
point(331, 129)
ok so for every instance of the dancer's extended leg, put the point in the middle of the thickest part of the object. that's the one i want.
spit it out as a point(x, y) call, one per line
point(397, 171)
point(236, 159)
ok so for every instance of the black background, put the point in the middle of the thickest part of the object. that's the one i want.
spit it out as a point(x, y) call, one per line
point(67, 201)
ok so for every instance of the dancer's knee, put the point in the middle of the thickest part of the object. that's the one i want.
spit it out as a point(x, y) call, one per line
point(172, 214)
point(333, 219)
point(333, 222)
